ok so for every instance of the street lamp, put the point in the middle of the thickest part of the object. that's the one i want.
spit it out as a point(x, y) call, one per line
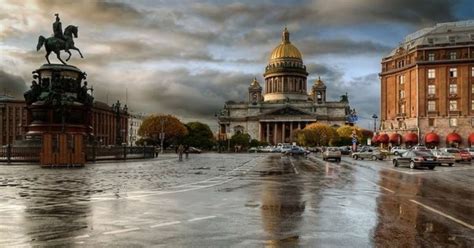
point(374, 116)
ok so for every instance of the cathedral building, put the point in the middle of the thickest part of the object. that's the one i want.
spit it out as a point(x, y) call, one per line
point(274, 112)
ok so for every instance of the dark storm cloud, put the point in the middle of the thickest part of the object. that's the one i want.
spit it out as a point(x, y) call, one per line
point(196, 94)
point(310, 47)
point(364, 94)
point(11, 84)
point(322, 12)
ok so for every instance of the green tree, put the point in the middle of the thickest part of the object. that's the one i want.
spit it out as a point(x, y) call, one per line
point(240, 139)
point(151, 126)
point(199, 135)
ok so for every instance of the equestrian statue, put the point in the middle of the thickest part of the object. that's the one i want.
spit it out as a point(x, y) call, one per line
point(59, 41)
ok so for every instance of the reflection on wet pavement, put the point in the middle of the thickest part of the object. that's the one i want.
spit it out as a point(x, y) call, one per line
point(244, 200)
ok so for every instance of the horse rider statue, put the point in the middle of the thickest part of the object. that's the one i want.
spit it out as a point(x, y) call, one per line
point(59, 41)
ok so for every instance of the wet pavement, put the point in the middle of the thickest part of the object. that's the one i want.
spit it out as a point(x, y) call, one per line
point(237, 200)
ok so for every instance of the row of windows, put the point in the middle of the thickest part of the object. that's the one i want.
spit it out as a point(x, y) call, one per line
point(453, 105)
point(453, 89)
point(453, 122)
point(452, 56)
point(453, 73)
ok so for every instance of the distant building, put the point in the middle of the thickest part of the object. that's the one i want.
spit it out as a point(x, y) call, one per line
point(106, 128)
point(134, 122)
point(13, 116)
point(274, 112)
point(427, 85)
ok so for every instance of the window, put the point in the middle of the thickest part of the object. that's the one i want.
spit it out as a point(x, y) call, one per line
point(402, 108)
point(401, 78)
point(472, 104)
point(431, 57)
point(453, 72)
point(431, 73)
point(431, 106)
point(472, 71)
point(431, 89)
point(430, 40)
point(453, 89)
point(452, 39)
point(453, 122)
point(453, 105)
point(452, 55)
point(431, 122)
point(402, 94)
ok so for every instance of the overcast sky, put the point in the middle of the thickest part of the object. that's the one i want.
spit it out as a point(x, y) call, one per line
point(188, 57)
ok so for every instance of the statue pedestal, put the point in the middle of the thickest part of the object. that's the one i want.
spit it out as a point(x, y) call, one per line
point(59, 113)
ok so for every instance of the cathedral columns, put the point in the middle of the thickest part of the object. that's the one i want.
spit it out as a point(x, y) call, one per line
point(291, 131)
point(275, 129)
point(267, 138)
point(283, 132)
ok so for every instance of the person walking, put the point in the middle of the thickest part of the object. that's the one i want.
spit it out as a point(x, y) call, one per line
point(180, 152)
point(186, 151)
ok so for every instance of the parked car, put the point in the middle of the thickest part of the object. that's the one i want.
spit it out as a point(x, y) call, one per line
point(458, 155)
point(465, 155)
point(397, 150)
point(416, 158)
point(421, 148)
point(444, 157)
point(471, 151)
point(332, 153)
point(266, 149)
point(345, 150)
point(295, 151)
point(194, 150)
point(373, 153)
point(254, 149)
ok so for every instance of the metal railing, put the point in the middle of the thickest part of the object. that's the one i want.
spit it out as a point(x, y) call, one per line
point(11, 153)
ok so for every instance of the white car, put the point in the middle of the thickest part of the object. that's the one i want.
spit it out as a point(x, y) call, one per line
point(397, 150)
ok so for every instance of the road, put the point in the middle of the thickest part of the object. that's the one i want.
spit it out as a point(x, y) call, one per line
point(237, 200)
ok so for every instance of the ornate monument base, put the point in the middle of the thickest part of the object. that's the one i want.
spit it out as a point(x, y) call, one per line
point(59, 110)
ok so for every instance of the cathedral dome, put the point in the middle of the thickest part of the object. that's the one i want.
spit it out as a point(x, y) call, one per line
point(285, 49)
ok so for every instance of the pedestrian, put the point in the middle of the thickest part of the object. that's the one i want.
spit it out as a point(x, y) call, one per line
point(180, 152)
point(157, 150)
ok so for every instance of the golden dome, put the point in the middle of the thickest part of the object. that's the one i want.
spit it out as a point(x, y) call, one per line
point(285, 49)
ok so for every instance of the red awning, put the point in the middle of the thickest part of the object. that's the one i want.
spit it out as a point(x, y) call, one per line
point(431, 138)
point(471, 139)
point(395, 138)
point(375, 139)
point(411, 138)
point(453, 138)
point(383, 138)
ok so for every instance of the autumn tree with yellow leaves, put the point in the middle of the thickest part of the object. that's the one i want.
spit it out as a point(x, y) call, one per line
point(151, 128)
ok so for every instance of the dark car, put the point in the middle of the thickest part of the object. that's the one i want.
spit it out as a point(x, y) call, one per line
point(416, 158)
point(294, 151)
point(345, 150)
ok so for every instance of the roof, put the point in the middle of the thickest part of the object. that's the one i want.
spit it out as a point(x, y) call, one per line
point(285, 49)
point(441, 34)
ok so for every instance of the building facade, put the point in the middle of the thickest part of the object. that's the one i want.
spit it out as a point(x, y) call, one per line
point(427, 85)
point(274, 112)
point(135, 120)
point(13, 116)
point(108, 128)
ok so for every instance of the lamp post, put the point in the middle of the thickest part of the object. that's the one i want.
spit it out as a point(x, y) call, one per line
point(374, 116)
point(130, 133)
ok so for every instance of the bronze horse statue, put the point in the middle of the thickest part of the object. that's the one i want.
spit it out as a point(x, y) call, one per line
point(53, 44)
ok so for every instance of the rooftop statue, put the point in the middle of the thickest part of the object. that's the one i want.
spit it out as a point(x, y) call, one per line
point(59, 41)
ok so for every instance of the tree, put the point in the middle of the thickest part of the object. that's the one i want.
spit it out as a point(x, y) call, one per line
point(317, 134)
point(172, 127)
point(240, 139)
point(346, 131)
point(199, 135)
